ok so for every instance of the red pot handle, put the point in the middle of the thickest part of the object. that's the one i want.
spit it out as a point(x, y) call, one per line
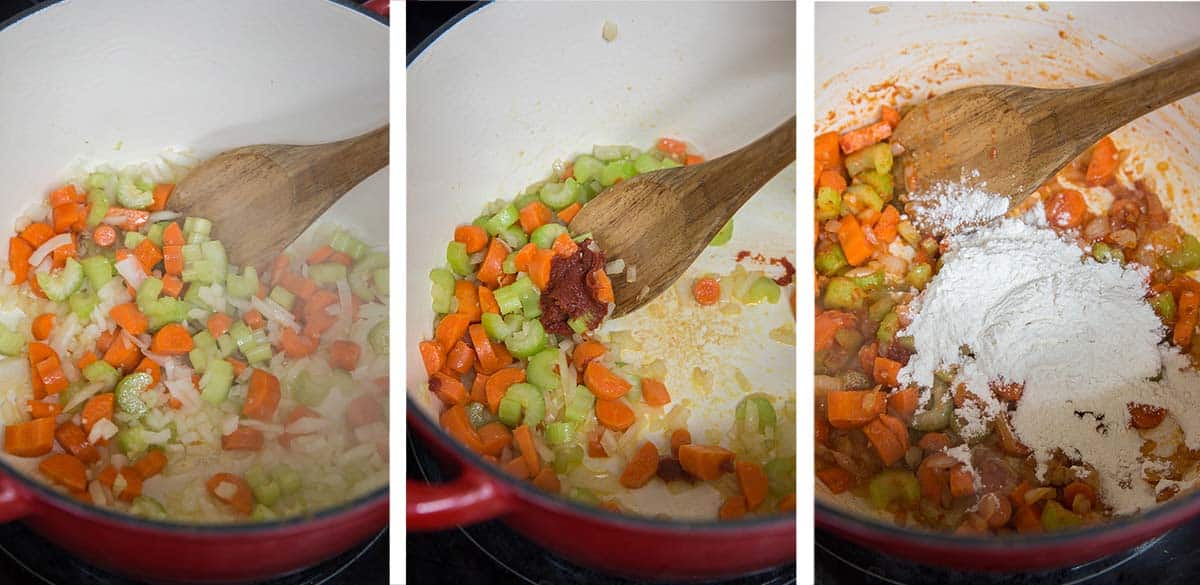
point(14, 503)
point(380, 7)
point(473, 497)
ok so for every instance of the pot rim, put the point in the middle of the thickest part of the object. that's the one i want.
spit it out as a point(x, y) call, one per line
point(43, 494)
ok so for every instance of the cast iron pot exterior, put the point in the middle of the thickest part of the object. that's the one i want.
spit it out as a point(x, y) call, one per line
point(225, 74)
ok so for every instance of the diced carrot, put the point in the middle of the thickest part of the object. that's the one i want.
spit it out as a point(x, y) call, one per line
point(172, 257)
point(262, 398)
point(886, 371)
point(239, 366)
point(42, 325)
point(151, 464)
point(491, 357)
point(903, 402)
point(495, 437)
point(601, 286)
point(586, 352)
point(298, 285)
point(498, 383)
point(753, 482)
point(473, 236)
point(173, 235)
point(524, 257)
point(323, 253)
point(826, 153)
point(363, 410)
point(706, 462)
point(523, 437)
point(467, 294)
point(432, 355)
point(641, 467)
point(67, 217)
point(296, 345)
point(563, 245)
point(1075, 489)
point(150, 367)
point(706, 291)
point(603, 383)
point(29, 439)
point(455, 421)
point(37, 233)
point(676, 148)
point(97, 408)
point(1066, 209)
point(693, 159)
point(787, 504)
point(853, 241)
point(890, 116)
point(933, 442)
point(614, 414)
point(1103, 165)
point(132, 219)
point(162, 192)
point(835, 478)
point(122, 354)
point(1185, 323)
point(130, 318)
point(461, 357)
point(534, 216)
point(861, 138)
point(539, 268)
point(39, 409)
point(66, 470)
point(492, 266)
point(243, 439)
point(487, 300)
point(254, 320)
point(887, 444)
point(448, 388)
point(848, 409)
point(19, 252)
point(1028, 521)
point(654, 392)
point(344, 355)
point(242, 499)
point(74, 441)
point(451, 328)
point(104, 235)
point(51, 372)
point(479, 388)
point(886, 227)
point(832, 179)
point(60, 254)
point(594, 446)
point(828, 323)
point(1145, 416)
point(148, 254)
point(172, 339)
point(679, 438)
point(87, 359)
point(547, 480)
point(569, 212)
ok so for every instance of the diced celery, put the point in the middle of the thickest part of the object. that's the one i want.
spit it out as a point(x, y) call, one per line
point(556, 196)
point(558, 433)
point(289, 479)
point(216, 381)
point(129, 390)
point(199, 359)
point(531, 305)
point(880, 182)
point(347, 244)
point(584, 495)
point(669, 163)
point(781, 475)
point(378, 337)
point(762, 408)
point(11, 342)
point(458, 259)
point(581, 238)
point(870, 282)
point(528, 340)
point(258, 354)
point(830, 260)
point(82, 303)
point(860, 196)
point(243, 286)
point(282, 296)
point(849, 338)
point(645, 163)
point(360, 277)
point(509, 265)
point(100, 203)
point(128, 195)
point(586, 167)
point(167, 310)
point(204, 340)
point(1164, 305)
point(513, 236)
point(130, 441)
point(888, 327)
point(509, 297)
point(763, 289)
point(196, 230)
point(579, 324)
point(522, 201)
point(579, 405)
point(201, 271)
point(148, 292)
point(101, 371)
point(155, 233)
point(327, 272)
point(59, 285)
point(540, 369)
point(842, 293)
point(724, 235)
point(132, 239)
point(880, 308)
point(1055, 517)
point(918, 275)
point(255, 475)
point(147, 507)
point(98, 270)
point(443, 290)
point(616, 170)
point(891, 485)
point(226, 345)
point(499, 328)
point(877, 157)
point(543, 237)
point(1187, 257)
point(308, 391)
point(508, 215)
point(379, 278)
point(567, 458)
point(829, 204)
point(214, 252)
point(262, 513)
point(522, 397)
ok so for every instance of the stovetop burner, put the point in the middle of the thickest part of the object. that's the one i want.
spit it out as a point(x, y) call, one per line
point(492, 553)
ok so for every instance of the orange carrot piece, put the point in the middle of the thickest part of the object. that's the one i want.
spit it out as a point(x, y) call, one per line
point(455, 421)
point(150, 367)
point(492, 266)
point(39, 409)
point(826, 153)
point(539, 268)
point(828, 323)
point(679, 438)
point(933, 442)
point(67, 217)
point(563, 245)
point(173, 235)
point(523, 437)
point(479, 388)
point(29, 439)
point(66, 470)
point(854, 242)
point(886, 227)
point(832, 179)
point(162, 192)
point(753, 482)
point(534, 216)
point(614, 414)
point(641, 467)
point(586, 352)
point(54, 380)
point(848, 409)
point(692, 159)
point(547, 480)
point(654, 392)
point(344, 355)
point(364, 410)
point(835, 478)
point(472, 235)
point(1103, 165)
point(19, 252)
point(151, 464)
point(524, 257)
point(461, 357)
point(243, 439)
point(1185, 323)
point(886, 443)
point(97, 408)
point(451, 328)
point(468, 300)
point(122, 353)
point(42, 325)
point(886, 371)
point(903, 403)
point(569, 212)
point(491, 357)
point(962, 482)
point(861, 138)
point(132, 219)
point(263, 396)
point(601, 286)
point(706, 462)
point(487, 301)
point(254, 320)
point(495, 437)
point(172, 257)
point(37, 233)
point(448, 388)
point(676, 148)
point(104, 235)
point(432, 355)
point(706, 291)
point(242, 499)
point(498, 383)
point(1066, 209)
point(130, 318)
point(74, 441)
point(219, 323)
point(890, 116)
point(148, 254)
point(172, 339)
point(603, 383)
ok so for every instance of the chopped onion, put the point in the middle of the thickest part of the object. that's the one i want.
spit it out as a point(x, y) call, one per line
point(226, 490)
point(158, 216)
point(615, 267)
point(273, 311)
point(131, 270)
point(475, 258)
point(307, 425)
point(102, 429)
point(115, 220)
point(631, 275)
point(82, 395)
point(45, 249)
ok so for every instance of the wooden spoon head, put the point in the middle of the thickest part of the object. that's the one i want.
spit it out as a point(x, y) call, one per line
point(250, 200)
point(658, 234)
point(976, 136)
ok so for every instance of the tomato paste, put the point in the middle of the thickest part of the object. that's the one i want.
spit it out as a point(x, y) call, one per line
point(569, 294)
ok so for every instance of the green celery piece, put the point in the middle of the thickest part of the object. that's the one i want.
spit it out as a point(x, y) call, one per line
point(196, 230)
point(724, 235)
point(82, 303)
point(458, 259)
point(870, 282)
point(98, 270)
point(669, 163)
point(849, 338)
point(941, 409)
point(129, 390)
point(282, 296)
point(100, 203)
point(509, 297)
point(262, 513)
point(521, 202)
point(1164, 305)
point(226, 346)
point(129, 196)
point(763, 289)
point(101, 371)
point(214, 253)
point(499, 328)
point(543, 237)
point(360, 277)
point(579, 324)
point(378, 337)
point(347, 244)
point(579, 405)
point(527, 398)
point(155, 233)
point(584, 495)
point(842, 293)
point(199, 359)
point(148, 292)
point(509, 264)
point(514, 237)
point(559, 433)
point(618, 169)
point(1055, 517)
point(540, 370)
point(132, 239)
point(831, 260)
point(530, 339)
point(888, 327)
point(256, 476)
point(864, 196)
point(308, 391)
point(508, 215)
point(891, 485)
point(289, 479)
point(167, 310)
point(531, 305)
point(877, 157)
point(880, 308)
point(918, 275)
point(147, 507)
point(266, 494)
point(829, 204)
point(567, 458)
point(59, 285)
point(880, 182)
point(204, 340)
point(586, 167)
point(258, 354)
point(557, 196)
point(1187, 257)
point(216, 381)
point(379, 278)
point(327, 273)
point(443, 290)
point(762, 407)
point(243, 286)
point(11, 342)
point(130, 441)
point(645, 163)
point(781, 475)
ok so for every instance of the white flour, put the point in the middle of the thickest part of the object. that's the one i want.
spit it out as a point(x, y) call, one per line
point(945, 208)
point(1077, 333)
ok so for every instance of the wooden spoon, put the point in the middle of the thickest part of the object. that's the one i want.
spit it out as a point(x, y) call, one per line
point(260, 198)
point(1017, 137)
point(659, 222)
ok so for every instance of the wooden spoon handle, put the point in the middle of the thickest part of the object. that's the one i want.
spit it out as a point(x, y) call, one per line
point(732, 179)
point(336, 167)
point(1096, 111)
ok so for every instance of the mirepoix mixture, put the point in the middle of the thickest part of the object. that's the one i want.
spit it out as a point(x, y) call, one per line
point(144, 372)
point(948, 455)
point(524, 380)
